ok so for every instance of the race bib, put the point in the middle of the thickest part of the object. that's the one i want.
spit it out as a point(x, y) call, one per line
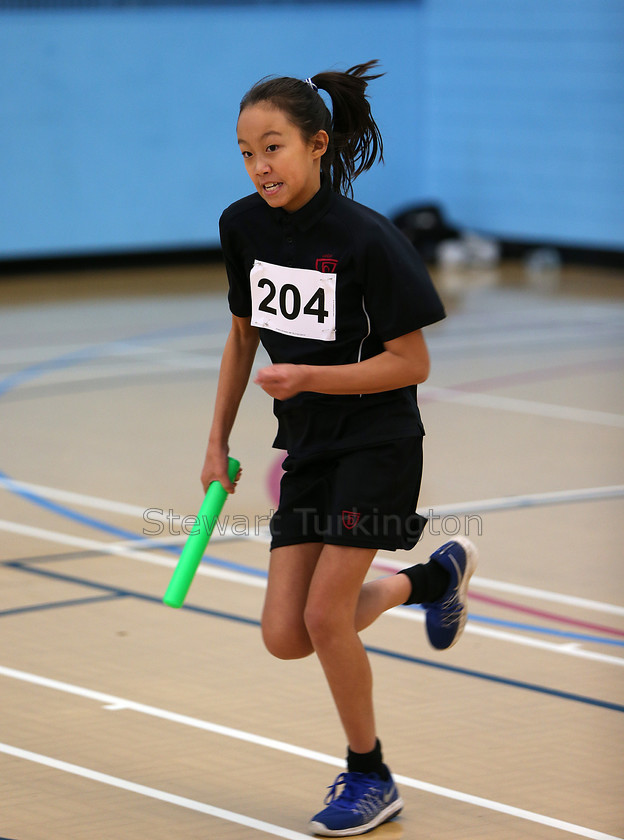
point(293, 301)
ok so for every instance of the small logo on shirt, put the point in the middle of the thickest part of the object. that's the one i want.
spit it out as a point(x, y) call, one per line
point(350, 519)
point(326, 264)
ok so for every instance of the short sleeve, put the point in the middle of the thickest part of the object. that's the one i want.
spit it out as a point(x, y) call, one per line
point(399, 294)
point(239, 294)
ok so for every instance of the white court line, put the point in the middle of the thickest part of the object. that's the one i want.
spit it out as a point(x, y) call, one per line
point(564, 336)
point(554, 597)
point(47, 354)
point(458, 508)
point(518, 639)
point(383, 561)
point(120, 551)
point(558, 497)
point(517, 589)
point(260, 583)
point(153, 793)
point(119, 703)
point(584, 494)
point(87, 373)
point(538, 409)
point(94, 502)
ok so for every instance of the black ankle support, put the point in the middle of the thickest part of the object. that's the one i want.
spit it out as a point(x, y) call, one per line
point(429, 582)
point(370, 762)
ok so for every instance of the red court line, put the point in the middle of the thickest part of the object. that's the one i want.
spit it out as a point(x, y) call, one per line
point(535, 375)
point(511, 605)
point(562, 619)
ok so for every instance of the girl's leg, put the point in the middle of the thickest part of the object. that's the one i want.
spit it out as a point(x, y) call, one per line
point(380, 595)
point(423, 583)
point(441, 585)
point(290, 572)
point(329, 617)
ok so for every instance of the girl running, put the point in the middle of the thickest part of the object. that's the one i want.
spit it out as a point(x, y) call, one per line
point(338, 298)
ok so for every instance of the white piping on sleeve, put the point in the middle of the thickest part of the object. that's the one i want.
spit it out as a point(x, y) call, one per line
point(368, 326)
point(367, 334)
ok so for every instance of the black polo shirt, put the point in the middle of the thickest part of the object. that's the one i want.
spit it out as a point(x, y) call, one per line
point(328, 285)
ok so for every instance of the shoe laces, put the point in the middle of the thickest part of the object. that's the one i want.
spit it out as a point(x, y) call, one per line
point(450, 610)
point(359, 795)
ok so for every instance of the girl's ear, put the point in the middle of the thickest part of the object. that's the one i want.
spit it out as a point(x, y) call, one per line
point(320, 142)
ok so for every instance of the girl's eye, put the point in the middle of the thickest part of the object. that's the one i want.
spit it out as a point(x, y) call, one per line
point(272, 148)
point(246, 154)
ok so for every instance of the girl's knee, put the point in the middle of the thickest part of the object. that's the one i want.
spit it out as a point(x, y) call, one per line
point(322, 624)
point(286, 642)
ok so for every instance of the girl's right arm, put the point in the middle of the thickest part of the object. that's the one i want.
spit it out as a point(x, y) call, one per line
point(236, 363)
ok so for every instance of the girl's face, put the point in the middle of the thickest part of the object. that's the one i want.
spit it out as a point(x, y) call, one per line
point(284, 167)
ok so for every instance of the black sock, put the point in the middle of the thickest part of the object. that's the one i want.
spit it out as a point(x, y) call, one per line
point(429, 582)
point(370, 762)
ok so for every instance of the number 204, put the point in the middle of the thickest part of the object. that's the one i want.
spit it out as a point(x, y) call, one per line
point(289, 301)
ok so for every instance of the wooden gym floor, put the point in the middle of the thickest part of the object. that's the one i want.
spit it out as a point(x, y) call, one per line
point(124, 718)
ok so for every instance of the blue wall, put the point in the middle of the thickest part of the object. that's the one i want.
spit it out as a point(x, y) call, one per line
point(121, 124)
point(525, 104)
point(117, 125)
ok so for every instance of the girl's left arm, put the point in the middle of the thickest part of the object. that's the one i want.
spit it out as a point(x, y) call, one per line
point(404, 361)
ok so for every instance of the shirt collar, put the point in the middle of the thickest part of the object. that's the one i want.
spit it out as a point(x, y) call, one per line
point(312, 212)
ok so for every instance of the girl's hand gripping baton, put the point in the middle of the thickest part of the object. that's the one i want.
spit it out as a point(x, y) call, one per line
point(197, 541)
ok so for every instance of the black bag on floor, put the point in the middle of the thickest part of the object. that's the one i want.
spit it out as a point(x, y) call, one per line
point(425, 227)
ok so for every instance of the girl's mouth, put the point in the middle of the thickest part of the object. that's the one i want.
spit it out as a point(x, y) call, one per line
point(271, 189)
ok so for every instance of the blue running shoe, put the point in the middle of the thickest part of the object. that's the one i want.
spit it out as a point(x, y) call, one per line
point(446, 617)
point(366, 801)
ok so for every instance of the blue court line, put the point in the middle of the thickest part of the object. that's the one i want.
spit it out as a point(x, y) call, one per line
point(14, 380)
point(414, 660)
point(477, 618)
point(117, 591)
point(53, 605)
point(467, 672)
point(235, 567)
point(199, 327)
point(62, 510)
point(76, 357)
point(95, 351)
point(548, 631)
point(100, 525)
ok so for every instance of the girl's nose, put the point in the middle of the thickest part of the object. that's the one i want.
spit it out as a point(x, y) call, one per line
point(262, 166)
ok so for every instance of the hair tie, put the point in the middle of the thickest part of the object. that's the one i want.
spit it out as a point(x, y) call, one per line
point(312, 85)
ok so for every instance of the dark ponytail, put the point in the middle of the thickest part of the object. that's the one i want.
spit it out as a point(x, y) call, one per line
point(354, 138)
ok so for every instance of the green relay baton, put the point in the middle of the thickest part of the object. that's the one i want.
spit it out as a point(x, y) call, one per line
point(197, 541)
